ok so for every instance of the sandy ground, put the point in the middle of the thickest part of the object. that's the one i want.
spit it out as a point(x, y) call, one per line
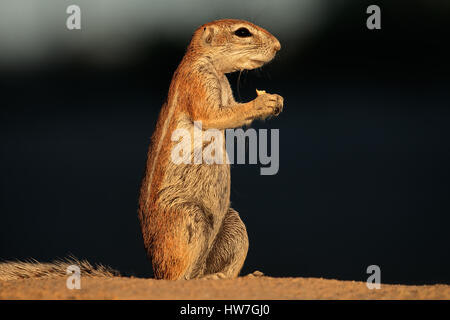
point(248, 287)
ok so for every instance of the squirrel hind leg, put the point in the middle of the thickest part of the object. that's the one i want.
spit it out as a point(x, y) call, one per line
point(230, 247)
point(181, 253)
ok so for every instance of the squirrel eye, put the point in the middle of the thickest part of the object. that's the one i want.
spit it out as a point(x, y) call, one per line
point(243, 33)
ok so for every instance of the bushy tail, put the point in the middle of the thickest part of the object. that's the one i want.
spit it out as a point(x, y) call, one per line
point(12, 270)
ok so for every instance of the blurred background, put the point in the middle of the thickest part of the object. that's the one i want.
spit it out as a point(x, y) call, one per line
point(364, 137)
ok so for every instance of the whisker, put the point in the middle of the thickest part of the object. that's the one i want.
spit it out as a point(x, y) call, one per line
point(238, 82)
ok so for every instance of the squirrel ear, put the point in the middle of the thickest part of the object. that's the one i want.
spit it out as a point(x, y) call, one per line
point(208, 34)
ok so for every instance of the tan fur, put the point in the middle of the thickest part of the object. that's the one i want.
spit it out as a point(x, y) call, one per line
point(12, 270)
point(188, 227)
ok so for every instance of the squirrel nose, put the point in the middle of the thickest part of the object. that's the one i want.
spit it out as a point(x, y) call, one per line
point(277, 45)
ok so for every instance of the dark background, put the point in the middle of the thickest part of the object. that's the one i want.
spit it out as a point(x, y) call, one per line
point(364, 137)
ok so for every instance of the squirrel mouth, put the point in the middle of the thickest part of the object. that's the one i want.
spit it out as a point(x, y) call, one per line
point(251, 64)
point(258, 61)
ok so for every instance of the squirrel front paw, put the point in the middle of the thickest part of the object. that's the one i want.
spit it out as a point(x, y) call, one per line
point(268, 104)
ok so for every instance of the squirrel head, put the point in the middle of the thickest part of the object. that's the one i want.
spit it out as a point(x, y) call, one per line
point(234, 45)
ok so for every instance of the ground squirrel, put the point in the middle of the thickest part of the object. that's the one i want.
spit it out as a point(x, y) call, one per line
point(188, 227)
